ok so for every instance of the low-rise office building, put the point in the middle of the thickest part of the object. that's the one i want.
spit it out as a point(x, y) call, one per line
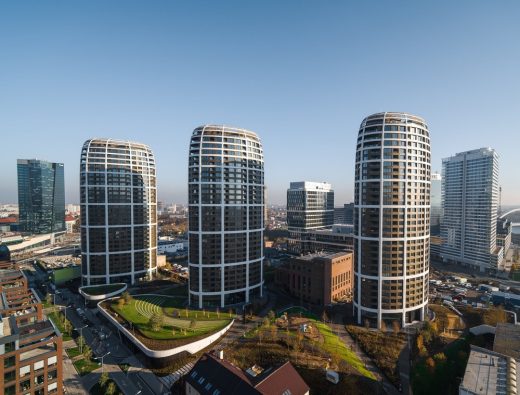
point(338, 238)
point(320, 278)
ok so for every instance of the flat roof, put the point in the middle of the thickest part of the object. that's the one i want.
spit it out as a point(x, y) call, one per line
point(326, 255)
point(487, 372)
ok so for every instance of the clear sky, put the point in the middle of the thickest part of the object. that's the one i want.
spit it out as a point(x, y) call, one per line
point(301, 74)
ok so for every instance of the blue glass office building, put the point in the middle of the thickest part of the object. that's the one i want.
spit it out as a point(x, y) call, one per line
point(41, 196)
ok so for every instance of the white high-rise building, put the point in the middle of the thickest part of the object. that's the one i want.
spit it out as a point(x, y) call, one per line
point(226, 216)
point(470, 195)
point(392, 219)
point(310, 206)
point(118, 211)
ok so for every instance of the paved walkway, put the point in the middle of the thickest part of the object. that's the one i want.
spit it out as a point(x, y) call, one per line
point(72, 383)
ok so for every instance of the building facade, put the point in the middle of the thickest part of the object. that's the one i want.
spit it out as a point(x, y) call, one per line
point(392, 219)
point(118, 212)
point(310, 206)
point(226, 216)
point(41, 196)
point(30, 345)
point(319, 279)
point(436, 204)
point(338, 238)
point(470, 204)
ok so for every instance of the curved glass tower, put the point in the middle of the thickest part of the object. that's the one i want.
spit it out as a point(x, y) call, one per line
point(118, 211)
point(392, 219)
point(226, 224)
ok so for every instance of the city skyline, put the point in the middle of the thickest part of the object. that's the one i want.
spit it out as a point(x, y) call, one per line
point(302, 81)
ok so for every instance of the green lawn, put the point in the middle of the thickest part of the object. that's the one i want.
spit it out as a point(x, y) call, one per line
point(102, 289)
point(331, 342)
point(56, 317)
point(73, 352)
point(176, 319)
point(84, 367)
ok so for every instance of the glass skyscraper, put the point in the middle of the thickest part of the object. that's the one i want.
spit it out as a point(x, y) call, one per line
point(470, 195)
point(392, 219)
point(118, 212)
point(41, 196)
point(436, 204)
point(226, 216)
point(310, 206)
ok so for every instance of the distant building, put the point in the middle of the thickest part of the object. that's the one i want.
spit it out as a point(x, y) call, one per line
point(70, 222)
point(317, 278)
point(118, 212)
point(212, 375)
point(470, 205)
point(489, 373)
point(30, 345)
point(310, 206)
point(338, 238)
point(436, 204)
point(348, 213)
point(339, 215)
point(392, 219)
point(8, 224)
point(504, 234)
point(41, 196)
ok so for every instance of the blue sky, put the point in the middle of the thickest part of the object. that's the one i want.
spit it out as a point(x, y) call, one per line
point(301, 74)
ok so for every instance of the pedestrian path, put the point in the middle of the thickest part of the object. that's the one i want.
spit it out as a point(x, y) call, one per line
point(172, 378)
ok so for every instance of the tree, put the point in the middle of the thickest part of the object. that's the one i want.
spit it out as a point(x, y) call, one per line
point(274, 333)
point(265, 322)
point(395, 327)
point(440, 358)
point(218, 313)
point(120, 302)
point(324, 316)
point(81, 342)
point(48, 298)
point(260, 335)
point(127, 297)
point(156, 322)
point(103, 379)
point(420, 344)
point(430, 364)
point(271, 315)
point(193, 324)
point(87, 352)
point(111, 388)
point(382, 327)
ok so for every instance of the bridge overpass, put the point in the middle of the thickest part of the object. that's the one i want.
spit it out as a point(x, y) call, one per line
point(513, 215)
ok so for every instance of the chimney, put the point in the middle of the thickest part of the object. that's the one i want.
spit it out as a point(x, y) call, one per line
point(221, 354)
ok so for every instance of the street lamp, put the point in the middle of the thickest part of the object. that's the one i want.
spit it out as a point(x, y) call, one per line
point(103, 356)
point(81, 337)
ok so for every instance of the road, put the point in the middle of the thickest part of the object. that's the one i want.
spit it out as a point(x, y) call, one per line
point(140, 379)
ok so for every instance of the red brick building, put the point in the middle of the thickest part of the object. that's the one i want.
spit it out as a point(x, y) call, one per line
point(30, 345)
point(320, 278)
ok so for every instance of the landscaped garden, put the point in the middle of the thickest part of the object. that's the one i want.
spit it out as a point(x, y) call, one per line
point(382, 347)
point(311, 345)
point(163, 317)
